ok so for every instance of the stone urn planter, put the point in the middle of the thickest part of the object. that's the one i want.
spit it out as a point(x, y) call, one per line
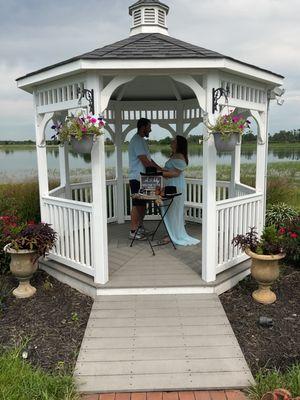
point(84, 145)
point(265, 270)
point(23, 265)
point(225, 143)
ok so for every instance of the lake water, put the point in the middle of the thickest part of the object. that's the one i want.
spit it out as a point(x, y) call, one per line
point(22, 163)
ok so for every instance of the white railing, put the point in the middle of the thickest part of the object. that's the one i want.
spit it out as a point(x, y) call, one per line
point(60, 192)
point(235, 216)
point(72, 221)
point(193, 197)
point(83, 192)
point(71, 218)
point(242, 190)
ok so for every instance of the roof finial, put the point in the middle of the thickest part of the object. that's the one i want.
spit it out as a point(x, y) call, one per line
point(149, 16)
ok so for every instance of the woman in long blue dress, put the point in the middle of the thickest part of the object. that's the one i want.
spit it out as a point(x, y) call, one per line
point(174, 176)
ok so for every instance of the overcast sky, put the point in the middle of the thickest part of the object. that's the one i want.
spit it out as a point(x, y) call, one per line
point(37, 33)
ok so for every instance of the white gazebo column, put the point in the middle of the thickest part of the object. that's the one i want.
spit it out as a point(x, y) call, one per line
point(235, 168)
point(41, 121)
point(261, 162)
point(64, 169)
point(99, 206)
point(119, 166)
point(209, 217)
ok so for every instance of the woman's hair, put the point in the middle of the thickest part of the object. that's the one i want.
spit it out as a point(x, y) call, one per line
point(182, 147)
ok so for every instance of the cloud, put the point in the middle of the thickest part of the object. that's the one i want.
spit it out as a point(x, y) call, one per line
point(37, 33)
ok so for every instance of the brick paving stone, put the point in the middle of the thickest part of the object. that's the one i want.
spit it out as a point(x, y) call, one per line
point(107, 396)
point(217, 395)
point(90, 397)
point(186, 395)
point(235, 395)
point(170, 395)
point(138, 396)
point(154, 395)
point(202, 395)
point(122, 396)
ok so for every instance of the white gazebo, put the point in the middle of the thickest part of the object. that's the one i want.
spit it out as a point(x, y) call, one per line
point(175, 85)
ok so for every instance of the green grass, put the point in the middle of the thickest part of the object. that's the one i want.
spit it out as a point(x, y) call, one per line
point(21, 381)
point(267, 380)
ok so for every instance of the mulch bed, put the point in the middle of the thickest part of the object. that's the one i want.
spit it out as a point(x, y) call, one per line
point(274, 347)
point(54, 320)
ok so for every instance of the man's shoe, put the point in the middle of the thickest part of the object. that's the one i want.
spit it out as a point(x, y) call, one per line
point(143, 231)
point(136, 235)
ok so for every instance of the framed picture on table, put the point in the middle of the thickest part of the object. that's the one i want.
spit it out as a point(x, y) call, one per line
point(150, 183)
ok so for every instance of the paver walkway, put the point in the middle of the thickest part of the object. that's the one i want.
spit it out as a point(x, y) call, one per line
point(203, 395)
point(162, 342)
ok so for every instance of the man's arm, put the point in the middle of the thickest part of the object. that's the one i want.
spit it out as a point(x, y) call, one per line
point(148, 163)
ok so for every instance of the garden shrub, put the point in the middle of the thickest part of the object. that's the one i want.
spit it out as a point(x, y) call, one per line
point(290, 231)
point(279, 213)
point(21, 199)
point(279, 190)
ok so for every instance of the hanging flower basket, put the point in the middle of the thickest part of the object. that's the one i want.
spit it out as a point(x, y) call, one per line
point(84, 145)
point(227, 130)
point(225, 142)
point(81, 131)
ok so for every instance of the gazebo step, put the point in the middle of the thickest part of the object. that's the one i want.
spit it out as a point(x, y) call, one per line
point(85, 283)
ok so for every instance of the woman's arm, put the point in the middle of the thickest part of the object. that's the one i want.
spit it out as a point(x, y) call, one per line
point(171, 173)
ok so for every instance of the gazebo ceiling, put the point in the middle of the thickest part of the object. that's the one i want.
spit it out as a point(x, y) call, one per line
point(153, 88)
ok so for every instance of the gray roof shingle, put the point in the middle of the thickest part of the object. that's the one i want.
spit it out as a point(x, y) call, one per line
point(146, 46)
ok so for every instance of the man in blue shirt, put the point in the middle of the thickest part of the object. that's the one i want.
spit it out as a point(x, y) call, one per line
point(139, 159)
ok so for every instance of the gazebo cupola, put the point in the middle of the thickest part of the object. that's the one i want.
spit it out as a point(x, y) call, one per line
point(149, 16)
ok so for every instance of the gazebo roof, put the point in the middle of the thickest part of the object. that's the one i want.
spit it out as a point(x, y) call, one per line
point(148, 46)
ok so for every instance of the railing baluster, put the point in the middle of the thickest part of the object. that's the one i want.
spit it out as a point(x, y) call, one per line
point(81, 237)
point(71, 233)
point(87, 239)
point(76, 241)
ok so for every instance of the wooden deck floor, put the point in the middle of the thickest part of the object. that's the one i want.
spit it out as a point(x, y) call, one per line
point(161, 343)
point(137, 267)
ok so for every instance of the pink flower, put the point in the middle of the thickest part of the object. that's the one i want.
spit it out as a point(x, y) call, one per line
point(93, 120)
point(235, 119)
point(293, 235)
point(241, 126)
point(101, 122)
point(282, 231)
point(83, 129)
